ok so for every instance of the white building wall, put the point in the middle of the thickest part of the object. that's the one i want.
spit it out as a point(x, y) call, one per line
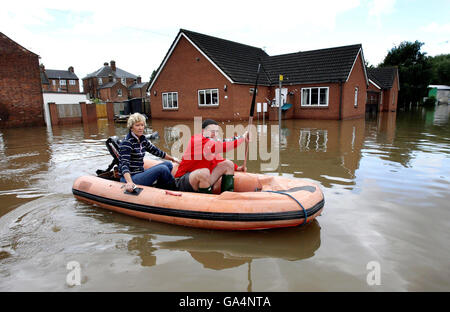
point(61, 98)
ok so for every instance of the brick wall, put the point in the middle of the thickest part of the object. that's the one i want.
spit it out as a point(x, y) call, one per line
point(302, 112)
point(356, 80)
point(20, 86)
point(110, 94)
point(390, 97)
point(55, 85)
point(91, 85)
point(138, 92)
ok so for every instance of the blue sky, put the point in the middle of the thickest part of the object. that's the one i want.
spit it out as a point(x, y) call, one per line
point(137, 35)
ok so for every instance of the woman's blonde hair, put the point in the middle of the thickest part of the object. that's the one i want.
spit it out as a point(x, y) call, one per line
point(136, 117)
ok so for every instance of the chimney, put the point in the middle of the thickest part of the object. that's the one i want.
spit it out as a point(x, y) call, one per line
point(71, 69)
point(138, 79)
point(105, 64)
point(113, 65)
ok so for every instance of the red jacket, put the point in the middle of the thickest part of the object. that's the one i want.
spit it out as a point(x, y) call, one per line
point(203, 152)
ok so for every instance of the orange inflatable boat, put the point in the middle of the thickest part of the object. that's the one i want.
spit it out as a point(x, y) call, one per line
point(258, 202)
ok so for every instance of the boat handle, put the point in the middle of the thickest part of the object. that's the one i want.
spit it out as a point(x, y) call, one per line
point(136, 191)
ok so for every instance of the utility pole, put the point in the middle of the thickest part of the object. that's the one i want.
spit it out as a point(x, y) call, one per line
point(280, 81)
point(279, 100)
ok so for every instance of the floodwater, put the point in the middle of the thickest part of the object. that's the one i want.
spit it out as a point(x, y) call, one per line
point(385, 225)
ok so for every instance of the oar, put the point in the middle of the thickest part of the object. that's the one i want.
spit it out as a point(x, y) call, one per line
point(250, 118)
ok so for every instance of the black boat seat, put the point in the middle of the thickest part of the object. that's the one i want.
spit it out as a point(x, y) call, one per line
point(113, 146)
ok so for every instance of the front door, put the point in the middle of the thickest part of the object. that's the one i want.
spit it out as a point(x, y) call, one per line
point(373, 101)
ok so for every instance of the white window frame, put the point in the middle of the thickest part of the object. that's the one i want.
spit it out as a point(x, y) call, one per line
point(100, 81)
point(123, 81)
point(302, 104)
point(356, 97)
point(54, 82)
point(62, 82)
point(119, 92)
point(169, 105)
point(210, 91)
point(72, 82)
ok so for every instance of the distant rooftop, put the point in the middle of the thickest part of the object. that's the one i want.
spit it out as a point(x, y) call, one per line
point(382, 76)
point(107, 70)
point(439, 87)
point(60, 74)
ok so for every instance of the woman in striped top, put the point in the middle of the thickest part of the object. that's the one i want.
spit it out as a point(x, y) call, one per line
point(131, 158)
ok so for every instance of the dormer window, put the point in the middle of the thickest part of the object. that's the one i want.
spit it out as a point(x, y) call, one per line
point(124, 81)
point(100, 81)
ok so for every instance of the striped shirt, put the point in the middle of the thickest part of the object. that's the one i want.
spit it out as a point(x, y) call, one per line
point(132, 152)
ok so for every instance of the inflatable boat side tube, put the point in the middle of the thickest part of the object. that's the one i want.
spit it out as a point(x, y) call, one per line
point(214, 216)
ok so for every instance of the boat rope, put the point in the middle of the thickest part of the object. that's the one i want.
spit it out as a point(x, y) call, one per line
point(304, 210)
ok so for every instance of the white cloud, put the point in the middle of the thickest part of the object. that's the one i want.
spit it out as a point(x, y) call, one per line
point(378, 8)
point(436, 38)
point(434, 27)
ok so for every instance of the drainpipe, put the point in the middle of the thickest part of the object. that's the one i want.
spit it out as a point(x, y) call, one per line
point(340, 99)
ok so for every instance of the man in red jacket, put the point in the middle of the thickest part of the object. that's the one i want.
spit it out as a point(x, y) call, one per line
point(202, 163)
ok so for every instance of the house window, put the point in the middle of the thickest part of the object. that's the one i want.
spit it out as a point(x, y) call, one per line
point(72, 82)
point(208, 97)
point(54, 82)
point(62, 82)
point(124, 81)
point(356, 97)
point(315, 96)
point(100, 81)
point(119, 92)
point(170, 100)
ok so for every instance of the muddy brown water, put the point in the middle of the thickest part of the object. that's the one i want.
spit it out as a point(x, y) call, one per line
point(386, 182)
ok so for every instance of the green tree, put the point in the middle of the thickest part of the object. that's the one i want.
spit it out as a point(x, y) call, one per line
point(152, 76)
point(415, 70)
point(441, 69)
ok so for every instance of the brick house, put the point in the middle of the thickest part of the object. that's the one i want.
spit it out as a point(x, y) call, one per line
point(109, 83)
point(382, 93)
point(21, 102)
point(59, 80)
point(211, 77)
point(113, 91)
point(138, 89)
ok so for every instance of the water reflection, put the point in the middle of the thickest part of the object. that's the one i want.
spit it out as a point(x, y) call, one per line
point(145, 248)
point(22, 159)
point(441, 115)
point(216, 250)
point(221, 250)
point(328, 151)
